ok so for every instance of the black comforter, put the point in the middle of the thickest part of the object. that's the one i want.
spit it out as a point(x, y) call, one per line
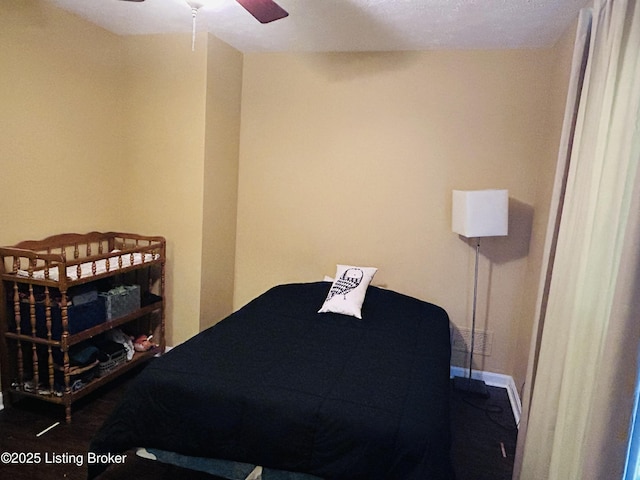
point(279, 385)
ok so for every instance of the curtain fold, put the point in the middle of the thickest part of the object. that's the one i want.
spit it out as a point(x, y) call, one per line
point(595, 218)
point(576, 80)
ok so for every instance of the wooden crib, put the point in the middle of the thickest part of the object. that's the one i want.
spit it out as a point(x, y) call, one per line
point(42, 319)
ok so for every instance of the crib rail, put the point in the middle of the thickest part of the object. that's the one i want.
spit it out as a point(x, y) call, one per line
point(66, 259)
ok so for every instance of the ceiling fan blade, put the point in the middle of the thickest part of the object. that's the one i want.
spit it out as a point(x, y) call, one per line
point(264, 11)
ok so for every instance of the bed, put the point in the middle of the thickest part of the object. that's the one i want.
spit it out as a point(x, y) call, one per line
point(299, 393)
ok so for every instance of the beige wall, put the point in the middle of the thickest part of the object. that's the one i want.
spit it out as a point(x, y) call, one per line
point(224, 91)
point(182, 117)
point(343, 158)
point(101, 132)
point(351, 158)
point(165, 121)
point(60, 91)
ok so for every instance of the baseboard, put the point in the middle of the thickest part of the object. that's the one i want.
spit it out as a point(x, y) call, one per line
point(495, 380)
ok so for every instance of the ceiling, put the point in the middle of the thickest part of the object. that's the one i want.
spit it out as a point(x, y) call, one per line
point(347, 25)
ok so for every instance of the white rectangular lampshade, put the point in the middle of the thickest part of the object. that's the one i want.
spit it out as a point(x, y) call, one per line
point(480, 213)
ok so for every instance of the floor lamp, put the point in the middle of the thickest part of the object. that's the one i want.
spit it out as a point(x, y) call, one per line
point(475, 214)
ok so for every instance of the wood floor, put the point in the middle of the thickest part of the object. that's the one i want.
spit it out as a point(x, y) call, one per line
point(480, 429)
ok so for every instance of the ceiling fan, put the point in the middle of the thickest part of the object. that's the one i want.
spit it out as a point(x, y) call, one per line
point(264, 11)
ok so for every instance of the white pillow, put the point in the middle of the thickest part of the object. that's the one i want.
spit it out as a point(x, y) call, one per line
point(347, 292)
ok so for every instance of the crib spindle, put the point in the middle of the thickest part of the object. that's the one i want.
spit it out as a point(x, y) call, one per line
point(87, 251)
point(18, 319)
point(34, 350)
point(31, 267)
point(65, 329)
point(47, 314)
